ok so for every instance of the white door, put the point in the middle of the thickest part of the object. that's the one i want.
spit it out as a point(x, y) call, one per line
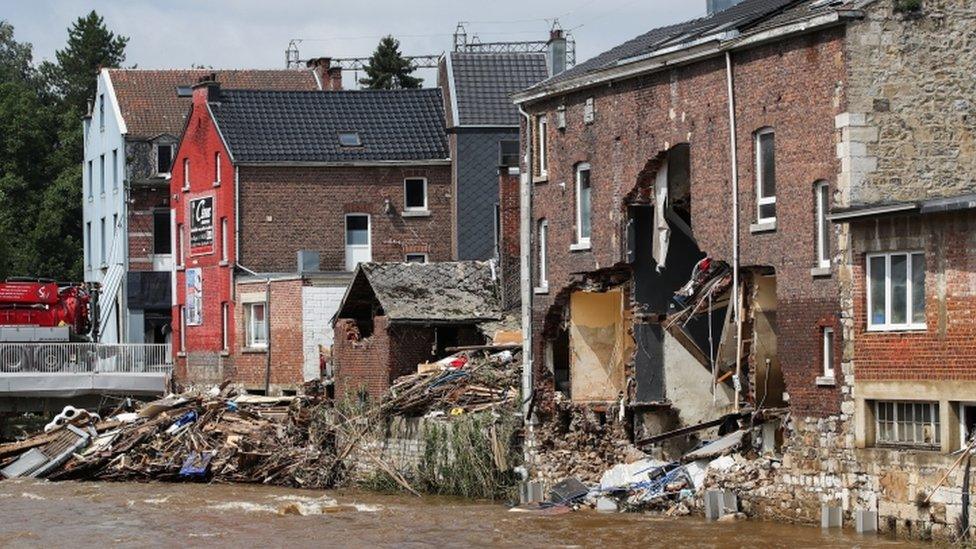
point(358, 242)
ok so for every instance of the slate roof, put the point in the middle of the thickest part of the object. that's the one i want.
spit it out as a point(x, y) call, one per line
point(484, 83)
point(150, 106)
point(747, 17)
point(446, 292)
point(393, 125)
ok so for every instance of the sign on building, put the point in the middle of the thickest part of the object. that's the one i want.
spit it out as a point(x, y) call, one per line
point(202, 226)
point(194, 297)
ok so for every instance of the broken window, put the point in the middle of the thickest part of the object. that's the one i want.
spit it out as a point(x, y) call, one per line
point(909, 424)
point(543, 268)
point(164, 159)
point(257, 325)
point(896, 291)
point(416, 258)
point(542, 148)
point(822, 196)
point(583, 207)
point(162, 243)
point(766, 175)
point(415, 194)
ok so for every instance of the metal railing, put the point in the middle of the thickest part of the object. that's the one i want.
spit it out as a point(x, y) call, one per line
point(71, 358)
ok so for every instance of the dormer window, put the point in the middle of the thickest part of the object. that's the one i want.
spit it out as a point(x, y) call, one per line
point(350, 139)
point(164, 159)
point(184, 91)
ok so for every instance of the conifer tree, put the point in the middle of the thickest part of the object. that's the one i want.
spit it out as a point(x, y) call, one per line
point(388, 69)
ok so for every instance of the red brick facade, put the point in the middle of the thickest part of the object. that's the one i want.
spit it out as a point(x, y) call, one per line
point(285, 330)
point(509, 260)
point(791, 86)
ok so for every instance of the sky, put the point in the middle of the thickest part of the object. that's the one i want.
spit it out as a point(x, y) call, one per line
point(255, 33)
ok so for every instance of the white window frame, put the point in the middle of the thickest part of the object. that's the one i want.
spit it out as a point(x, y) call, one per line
point(542, 260)
point(186, 174)
point(103, 260)
point(827, 356)
point(252, 327)
point(760, 199)
point(542, 136)
point(406, 257)
point(582, 241)
point(180, 253)
point(101, 112)
point(91, 179)
point(414, 208)
point(182, 328)
point(216, 182)
point(224, 256)
point(934, 411)
point(88, 244)
point(101, 175)
point(822, 196)
point(115, 170)
point(888, 326)
point(224, 326)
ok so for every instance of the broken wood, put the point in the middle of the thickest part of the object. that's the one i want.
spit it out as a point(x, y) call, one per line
point(687, 430)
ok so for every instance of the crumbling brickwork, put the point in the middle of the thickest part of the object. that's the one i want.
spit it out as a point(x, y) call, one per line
point(362, 363)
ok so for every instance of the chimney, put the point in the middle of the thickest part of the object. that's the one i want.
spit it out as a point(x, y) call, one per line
point(715, 6)
point(334, 79)
point(322, 67)
point(556, 52)
point(207, 89)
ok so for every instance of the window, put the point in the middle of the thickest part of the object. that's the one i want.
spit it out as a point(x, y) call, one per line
point(101, 112)
point(828, 352)
point(184, 91)
point(115, 170)
point(583, 212)
point(101, 243)
point(896, 291)
point(101, 173)
point(350, 139)
point(91, 178)
point(415, 194)
point(766, 175)
point(909, 424)
point(115, 227)
point(162, 240)
point(257, 325)
point(224, 332)
point(88, 244)
point(164, 159)
point(822, 196)
point(543, 266)
point(179, 245)
point(508, 153)
point(542, 145)
point(216, 169)
point(416, 258)
point(186, 174)
point(224, 256)
point(182, 328)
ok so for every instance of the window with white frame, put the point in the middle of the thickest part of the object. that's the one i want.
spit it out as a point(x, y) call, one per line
point(543, 245)
point(101, 242)
point(822, 197)
point(256, 324)
point(186, 174)
point(115, 169)
point(224, 328)
point(88, 244)
point(542, 146)
point(765, 175)
point(906, 423)
point(179, 245)
point(415, 194)
point(583, 206)
point(101, 174)
point(91, 178)
point(416, 258)
point(896, 291)
point(224, 256)
point(101, 112)
point(827, 353)
point(182, 328)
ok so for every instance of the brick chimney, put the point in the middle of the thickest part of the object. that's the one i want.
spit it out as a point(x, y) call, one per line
point(206, 90)
point(329, 77)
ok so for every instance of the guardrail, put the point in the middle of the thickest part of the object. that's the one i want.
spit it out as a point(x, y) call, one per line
point(71, 358)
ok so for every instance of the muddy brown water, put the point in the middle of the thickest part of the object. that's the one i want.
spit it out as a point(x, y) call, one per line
point(91, 514)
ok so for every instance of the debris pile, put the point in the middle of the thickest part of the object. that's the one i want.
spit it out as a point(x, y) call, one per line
point(462, 383)
point(707, 289)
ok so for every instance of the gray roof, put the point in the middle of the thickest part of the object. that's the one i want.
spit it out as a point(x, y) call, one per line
point(445, 292)
point(295, 126)
point(484, 83)
point(747, 17)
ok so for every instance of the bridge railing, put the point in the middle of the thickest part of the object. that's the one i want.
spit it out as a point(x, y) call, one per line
point(70, 358)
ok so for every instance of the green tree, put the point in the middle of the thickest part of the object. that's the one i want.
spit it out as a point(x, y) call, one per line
point(388, 69)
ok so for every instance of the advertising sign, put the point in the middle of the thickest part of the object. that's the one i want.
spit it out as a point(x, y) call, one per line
point(202, 225)
point(194, 297)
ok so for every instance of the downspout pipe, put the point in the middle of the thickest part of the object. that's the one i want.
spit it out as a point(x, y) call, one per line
point(525, 267)
point(736, 294)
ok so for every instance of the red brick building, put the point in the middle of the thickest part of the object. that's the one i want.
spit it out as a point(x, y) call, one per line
point(263, 177)
point(631, 171)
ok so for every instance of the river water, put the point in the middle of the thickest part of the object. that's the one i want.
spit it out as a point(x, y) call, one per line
point(92, 514)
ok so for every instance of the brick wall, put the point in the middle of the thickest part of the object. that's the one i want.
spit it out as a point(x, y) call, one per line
point(794, 87)
point(510, 260)
point(144, 201)
point(286, 209)
point(286, 333)
point(361, 363)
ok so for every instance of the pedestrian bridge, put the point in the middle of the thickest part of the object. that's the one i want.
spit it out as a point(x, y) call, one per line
point(67, 370)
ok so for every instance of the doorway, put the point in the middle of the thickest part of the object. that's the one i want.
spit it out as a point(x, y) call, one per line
point(358, 240)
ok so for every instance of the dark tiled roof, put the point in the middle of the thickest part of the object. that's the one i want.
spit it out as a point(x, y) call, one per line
point(150, 106)
point(747, 17)
point(393, 125)
point(453, 291)
point(484, 83)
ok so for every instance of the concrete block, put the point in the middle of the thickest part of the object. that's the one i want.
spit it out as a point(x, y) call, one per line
point(831, 516)
point(866, 522)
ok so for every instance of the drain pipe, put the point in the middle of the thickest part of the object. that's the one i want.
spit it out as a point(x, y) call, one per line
point(736, 298)
point(525, 267)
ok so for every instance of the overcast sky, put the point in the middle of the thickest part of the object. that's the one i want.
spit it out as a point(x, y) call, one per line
point(255, 33)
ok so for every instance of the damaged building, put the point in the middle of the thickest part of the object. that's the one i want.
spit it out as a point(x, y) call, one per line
point(396, 316)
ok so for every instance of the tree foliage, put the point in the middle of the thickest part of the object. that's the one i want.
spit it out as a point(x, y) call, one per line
point(41, 148)
point(388, 69)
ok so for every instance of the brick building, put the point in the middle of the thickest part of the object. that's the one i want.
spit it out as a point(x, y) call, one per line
point(395, 316)
point(263, 177)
